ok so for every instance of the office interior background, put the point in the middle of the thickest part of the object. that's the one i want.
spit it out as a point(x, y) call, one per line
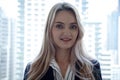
point(22, 28)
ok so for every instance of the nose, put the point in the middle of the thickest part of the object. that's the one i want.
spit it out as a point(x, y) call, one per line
point(67, 32)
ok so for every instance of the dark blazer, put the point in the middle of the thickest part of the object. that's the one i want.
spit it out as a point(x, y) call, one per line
point(49, 73)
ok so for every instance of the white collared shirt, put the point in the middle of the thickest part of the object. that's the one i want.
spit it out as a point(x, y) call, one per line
point(57, 72)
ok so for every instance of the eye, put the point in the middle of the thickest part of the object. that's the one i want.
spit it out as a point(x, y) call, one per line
point(73, 26)
point(59, 26)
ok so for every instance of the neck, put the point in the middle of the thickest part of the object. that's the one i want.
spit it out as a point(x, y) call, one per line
point(63, 56)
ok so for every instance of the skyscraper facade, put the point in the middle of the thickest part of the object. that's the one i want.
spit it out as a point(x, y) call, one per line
point(119, 38)
point(114, 40)
point(3, 45)
point(16, 44)
point(115, 72)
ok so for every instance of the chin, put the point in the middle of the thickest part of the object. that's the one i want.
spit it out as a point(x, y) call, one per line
point(65, 47)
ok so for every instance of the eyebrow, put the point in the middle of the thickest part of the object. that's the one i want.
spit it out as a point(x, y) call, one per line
point(63, 23)
point(59, 22)
point(74, 23)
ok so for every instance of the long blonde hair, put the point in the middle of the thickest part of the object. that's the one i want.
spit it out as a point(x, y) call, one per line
point(78, 57)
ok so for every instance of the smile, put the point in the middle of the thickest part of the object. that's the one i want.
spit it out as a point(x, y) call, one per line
point(66, 39)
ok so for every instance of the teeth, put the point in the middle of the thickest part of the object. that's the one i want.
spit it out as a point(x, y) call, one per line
point(65, 39)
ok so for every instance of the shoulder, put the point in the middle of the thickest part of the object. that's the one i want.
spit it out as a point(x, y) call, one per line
point(95, 63)
point(96, 70)
point(26, 71)
point(47, 75)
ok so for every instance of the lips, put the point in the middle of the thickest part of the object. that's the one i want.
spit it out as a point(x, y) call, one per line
point(66, 39)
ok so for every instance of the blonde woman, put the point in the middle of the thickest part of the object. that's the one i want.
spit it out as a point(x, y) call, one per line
point(62, 55)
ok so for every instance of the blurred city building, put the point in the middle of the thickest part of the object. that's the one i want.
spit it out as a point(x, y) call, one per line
point(3, 44)
point(21, 38)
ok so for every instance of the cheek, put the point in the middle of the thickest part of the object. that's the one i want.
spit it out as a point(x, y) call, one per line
point(55, 38)
point(55, 35)
point(75, 35)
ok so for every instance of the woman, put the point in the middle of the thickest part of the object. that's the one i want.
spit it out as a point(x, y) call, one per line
point(62, 56)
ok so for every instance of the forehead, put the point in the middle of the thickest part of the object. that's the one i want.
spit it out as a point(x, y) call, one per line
point(65, 15)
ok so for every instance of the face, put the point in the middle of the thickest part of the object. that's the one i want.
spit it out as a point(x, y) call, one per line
point(64, 30)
